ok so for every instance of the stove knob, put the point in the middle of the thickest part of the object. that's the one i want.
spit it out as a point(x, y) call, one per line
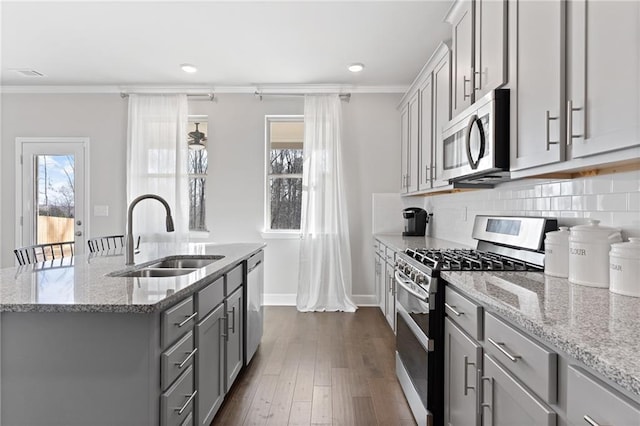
point(407, 270)
point(421, 279)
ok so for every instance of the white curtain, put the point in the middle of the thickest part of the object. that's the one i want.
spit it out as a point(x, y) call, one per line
point(157, 164)
point(324, 281)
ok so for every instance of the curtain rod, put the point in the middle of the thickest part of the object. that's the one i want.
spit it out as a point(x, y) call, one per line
point(343, 96)
point(210, 96)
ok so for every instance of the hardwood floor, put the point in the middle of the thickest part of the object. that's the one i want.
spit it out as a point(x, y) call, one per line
point(328, 368)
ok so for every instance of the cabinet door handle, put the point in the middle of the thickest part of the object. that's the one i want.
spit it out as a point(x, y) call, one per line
point(476, 86)
point(226, 327)
point(487, 404)
point(570, 111)
point(590, 421)
point(186, 404)
point(184, 362)
point(453, 309)
point(465, 80)
point(548, 119)
point(466, 377)
point(233, 323)
point(189, 318)
point(500, 346)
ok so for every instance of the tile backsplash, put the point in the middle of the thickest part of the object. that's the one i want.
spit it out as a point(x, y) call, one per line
point(614, 199)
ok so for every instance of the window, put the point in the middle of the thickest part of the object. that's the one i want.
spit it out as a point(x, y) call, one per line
point(284, 135)
point(197, 169)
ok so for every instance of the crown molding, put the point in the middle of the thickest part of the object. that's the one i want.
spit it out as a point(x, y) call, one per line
point(194, 90)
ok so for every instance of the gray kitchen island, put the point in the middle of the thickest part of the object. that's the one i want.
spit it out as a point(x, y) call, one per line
point(81, 343)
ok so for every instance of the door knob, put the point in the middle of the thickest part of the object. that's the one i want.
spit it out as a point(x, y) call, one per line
point(79, 222)
point(78, 233)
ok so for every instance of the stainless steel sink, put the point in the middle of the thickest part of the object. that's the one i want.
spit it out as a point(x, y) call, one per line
point(170, 266)
point(155, 273)
point(185, 262)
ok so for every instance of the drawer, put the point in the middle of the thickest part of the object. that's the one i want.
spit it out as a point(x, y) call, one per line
point(176, 359)
point(535, 365)
point(210, 297)
point(464, 312)
point(177, 402)
point(589, 399)
point(177, 321)
point(235, 278)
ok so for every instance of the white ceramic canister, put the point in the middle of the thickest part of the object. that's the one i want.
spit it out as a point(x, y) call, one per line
point(556, 253)
point(624, 268)
point(589, 247)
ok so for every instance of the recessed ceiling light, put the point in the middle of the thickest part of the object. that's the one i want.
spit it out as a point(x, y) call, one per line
point(188, 68)
point(357, 67)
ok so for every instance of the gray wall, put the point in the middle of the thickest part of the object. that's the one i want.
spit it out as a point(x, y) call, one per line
point(235, 192)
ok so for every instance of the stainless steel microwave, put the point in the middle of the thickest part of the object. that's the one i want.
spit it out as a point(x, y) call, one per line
point(475, 149)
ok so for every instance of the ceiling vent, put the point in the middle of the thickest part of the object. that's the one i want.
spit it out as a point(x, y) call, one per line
point(26, 72)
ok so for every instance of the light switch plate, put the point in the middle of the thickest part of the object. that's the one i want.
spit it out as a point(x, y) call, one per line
point(101, 210)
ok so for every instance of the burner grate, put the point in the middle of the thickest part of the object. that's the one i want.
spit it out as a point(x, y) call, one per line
point(468, 260)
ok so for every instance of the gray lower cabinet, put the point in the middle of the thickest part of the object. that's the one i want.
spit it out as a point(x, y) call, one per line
point(210, 365)
point(234, 336)
point(463, 361)
point(592, 403)
point(507, 402)
point(177, 402)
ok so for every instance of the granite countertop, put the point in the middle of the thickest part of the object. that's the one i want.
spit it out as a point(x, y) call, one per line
point(594, 326)
point(81, 283)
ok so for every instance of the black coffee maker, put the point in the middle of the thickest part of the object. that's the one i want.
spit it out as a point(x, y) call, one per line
point(415, 221)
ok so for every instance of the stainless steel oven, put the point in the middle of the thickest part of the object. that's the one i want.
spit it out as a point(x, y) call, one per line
point(476, 143)
point(418, 332)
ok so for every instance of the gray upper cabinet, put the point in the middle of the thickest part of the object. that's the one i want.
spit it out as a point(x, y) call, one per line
point(425, 109)
point(506, 402)
point(479, 33)
point(235, 336)
point(463, 362)
point(404, 147)
point(412, 152)
point(441, 113)
point(490, 65)
point(426, 134)
point(536, 55)
point(536, 77)
point(603, 74)
point(462, 23)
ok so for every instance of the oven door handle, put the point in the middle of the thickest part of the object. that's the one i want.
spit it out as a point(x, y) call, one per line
point(401, 280)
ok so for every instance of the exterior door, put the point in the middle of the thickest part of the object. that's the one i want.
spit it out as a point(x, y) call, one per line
point(51, 191)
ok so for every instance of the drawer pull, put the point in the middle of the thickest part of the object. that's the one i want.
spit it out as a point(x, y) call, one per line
point(453, 309)
point(466, 377)
point(184, 362)
point(590, 421)
point(499, 345)
point(189, 318)
point(186, 404)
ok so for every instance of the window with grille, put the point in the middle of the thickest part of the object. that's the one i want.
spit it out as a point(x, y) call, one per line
point(197, 169)
point(284, 136)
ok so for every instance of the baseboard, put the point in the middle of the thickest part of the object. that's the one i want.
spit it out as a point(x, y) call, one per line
point(275, 299)
point(289, 299)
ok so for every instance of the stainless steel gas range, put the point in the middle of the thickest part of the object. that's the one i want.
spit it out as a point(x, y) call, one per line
point(505, 243)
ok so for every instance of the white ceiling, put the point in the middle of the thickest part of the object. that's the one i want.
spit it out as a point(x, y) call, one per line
point(233, 43)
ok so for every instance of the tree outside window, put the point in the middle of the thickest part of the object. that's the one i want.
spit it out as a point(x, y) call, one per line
point(197, 169)
point(285, 136)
